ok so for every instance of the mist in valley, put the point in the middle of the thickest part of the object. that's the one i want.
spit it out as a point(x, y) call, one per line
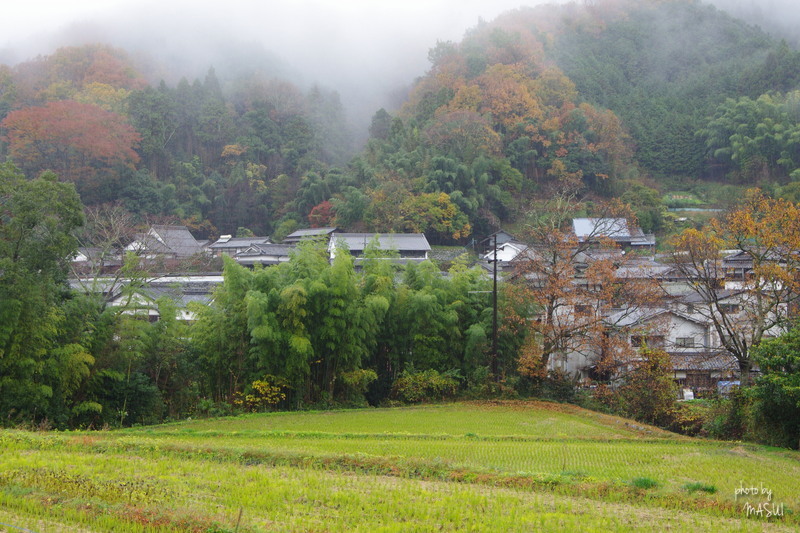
point(369, 52)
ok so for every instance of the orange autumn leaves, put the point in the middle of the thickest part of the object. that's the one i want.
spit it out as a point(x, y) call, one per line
point(70, 138)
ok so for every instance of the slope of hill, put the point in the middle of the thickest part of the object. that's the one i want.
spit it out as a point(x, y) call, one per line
point(485, 467)
point(590, 97)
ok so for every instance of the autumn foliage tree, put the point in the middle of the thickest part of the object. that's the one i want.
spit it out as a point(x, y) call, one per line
point(571, 286)
point(76, 140)
point(767, 232)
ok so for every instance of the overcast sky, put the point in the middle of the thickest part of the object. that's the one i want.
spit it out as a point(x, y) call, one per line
point(319, 33)
point(362, 48)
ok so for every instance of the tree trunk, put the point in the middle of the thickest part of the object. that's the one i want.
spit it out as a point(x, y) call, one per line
point(745, 365)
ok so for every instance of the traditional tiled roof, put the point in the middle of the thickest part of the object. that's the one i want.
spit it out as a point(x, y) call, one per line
point(177, 239)
point(237, 242)
point(703, 361)
point(308, 233)
point(616, 229)
point(402, 242)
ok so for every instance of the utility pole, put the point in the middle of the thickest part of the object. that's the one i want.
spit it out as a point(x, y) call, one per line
point(494, 362)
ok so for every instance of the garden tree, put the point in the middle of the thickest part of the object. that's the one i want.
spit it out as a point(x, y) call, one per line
point(76, 140)
point(572, 287)
point(649, 390)
point(38, 218)
point(766, 232)
point(777, 390)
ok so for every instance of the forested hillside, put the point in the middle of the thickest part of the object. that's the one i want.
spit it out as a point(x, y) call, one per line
point(600, 98)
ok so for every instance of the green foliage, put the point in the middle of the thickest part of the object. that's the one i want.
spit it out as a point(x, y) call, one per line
point(776, 393)
point(663, 67)
point(757, 139)
point(644, 483)
point(481, 466)
point(262, 394)
point(425, 385)
point(649, 392)
point(38, 373)
point(697, 486)
point(354, 384)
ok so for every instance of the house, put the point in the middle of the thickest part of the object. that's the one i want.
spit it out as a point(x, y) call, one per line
point(506, 252)
point(265, 254)
point(615, 229)
point(697, 358)
point(172, 242)
point(309, 233)
point(675, 333)
point(664, 329)
point(227, 244)
point(702, 371)
point(94, 259)
point(182, 290)
point(410, 247)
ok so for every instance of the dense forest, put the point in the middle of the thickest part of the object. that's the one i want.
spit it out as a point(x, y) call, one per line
point(607, 98)
point(603, 101)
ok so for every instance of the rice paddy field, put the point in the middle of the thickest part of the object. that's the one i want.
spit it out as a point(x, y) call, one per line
point(499, 466)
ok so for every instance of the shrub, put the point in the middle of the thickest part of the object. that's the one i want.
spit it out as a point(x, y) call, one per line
point(353, 385)
point(644, 483)
point(481, 384)
point(209, 408)
point(688, 418)
point(649, 393)
point(701, 487)
point(775, 415)
point(262, 394)
point(559, 386)
point(427, 385)
point(727, 417)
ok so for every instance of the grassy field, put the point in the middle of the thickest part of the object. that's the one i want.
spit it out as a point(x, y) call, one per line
point(477, 467)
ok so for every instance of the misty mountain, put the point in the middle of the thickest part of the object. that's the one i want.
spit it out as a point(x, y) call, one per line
point(604, 98)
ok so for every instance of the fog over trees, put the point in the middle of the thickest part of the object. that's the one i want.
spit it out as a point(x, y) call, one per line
point(370, 52)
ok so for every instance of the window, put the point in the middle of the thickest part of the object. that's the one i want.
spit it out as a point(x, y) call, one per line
point(651, 341)
point(729, 308)
point(684, 342)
